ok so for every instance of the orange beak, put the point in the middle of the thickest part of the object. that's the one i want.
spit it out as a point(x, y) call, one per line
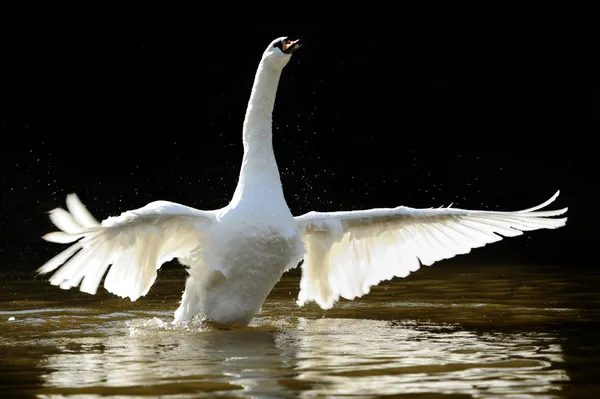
point(290, 46)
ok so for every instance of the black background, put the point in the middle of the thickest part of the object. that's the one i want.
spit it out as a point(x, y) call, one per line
point(424, 104)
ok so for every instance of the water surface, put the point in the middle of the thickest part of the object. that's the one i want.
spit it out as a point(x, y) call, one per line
point(451, 331)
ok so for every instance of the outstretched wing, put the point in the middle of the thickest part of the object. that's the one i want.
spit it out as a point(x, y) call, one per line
point(136, 244)
point(348, 252)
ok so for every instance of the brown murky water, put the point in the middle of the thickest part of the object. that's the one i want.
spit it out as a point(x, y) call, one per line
point(452, 331)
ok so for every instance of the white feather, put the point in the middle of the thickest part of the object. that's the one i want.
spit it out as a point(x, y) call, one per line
point(64, 221)
point(134, 244)
point(379, 244)
point(235, 255)
point(80, 212)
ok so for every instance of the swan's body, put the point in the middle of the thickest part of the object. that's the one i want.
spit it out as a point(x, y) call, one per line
point(235, 255)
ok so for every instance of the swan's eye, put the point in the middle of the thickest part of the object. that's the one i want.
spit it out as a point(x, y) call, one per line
point(280, 44)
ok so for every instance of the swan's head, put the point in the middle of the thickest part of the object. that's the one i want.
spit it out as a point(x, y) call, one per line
point(280, 51)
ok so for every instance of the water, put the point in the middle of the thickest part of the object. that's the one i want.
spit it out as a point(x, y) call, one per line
point(451, 331)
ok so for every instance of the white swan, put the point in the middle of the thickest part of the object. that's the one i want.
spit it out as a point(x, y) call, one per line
point(236, 254)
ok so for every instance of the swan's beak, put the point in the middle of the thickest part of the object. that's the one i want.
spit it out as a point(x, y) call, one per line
point(289, 46)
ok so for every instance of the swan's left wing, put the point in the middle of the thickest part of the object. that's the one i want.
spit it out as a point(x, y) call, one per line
point(131, 247)
point(348, 252)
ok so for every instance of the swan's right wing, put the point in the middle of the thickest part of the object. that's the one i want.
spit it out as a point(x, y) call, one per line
point(136, 244)
point(349, 252)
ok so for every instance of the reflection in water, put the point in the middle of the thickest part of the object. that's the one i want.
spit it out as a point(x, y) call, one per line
point(365, 357)
point(309, 357)
point(517, 333)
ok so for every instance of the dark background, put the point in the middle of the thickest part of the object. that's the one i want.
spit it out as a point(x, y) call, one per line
point(424, 104)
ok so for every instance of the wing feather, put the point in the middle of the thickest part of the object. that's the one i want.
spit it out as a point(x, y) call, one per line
point(64, 221)
point(348, 252)
point(80, 213)
point(128, 249)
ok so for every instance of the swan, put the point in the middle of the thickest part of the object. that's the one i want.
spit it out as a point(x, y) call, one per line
point(235, 255)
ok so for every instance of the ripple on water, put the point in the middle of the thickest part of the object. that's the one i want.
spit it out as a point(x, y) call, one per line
point(432, 337)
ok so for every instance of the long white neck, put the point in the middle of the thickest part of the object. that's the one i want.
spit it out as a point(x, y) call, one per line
point(259, 176)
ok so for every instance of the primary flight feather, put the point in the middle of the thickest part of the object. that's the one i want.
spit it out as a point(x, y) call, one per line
point(235, 255)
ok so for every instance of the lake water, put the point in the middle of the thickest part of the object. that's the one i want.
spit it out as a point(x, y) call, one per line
point(450, 331)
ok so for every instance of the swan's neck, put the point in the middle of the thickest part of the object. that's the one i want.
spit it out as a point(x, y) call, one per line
point(259, 175)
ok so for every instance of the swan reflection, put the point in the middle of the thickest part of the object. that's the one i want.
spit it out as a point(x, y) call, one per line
point(306, 357)
point(362, 357)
